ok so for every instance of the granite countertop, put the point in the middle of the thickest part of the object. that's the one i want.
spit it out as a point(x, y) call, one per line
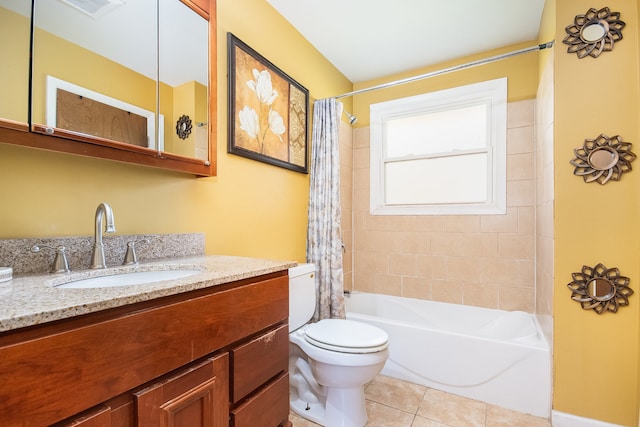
point(32, 300)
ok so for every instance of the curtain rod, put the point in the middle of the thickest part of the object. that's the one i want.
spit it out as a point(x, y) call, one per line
point(448, 70)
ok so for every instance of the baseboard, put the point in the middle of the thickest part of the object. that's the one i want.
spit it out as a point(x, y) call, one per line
point(560, 419)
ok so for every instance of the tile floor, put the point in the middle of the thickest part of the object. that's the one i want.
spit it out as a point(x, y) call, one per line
point(396, 403)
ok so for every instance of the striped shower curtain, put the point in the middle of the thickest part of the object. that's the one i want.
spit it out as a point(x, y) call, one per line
point(324, 237)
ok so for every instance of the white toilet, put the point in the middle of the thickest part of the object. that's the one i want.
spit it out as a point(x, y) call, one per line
point(329, 361)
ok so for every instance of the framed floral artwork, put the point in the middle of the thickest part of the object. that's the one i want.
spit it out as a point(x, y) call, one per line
point(267, 110)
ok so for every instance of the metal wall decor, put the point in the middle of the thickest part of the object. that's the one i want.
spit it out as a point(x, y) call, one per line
point(183, 127)
point(594, 32)
point(600, 288)
point(603, 159)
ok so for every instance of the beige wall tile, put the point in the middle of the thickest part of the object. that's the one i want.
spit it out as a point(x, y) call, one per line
point(521, 193)
point(526, 219)
point(416, 287)
point(520, 140)
point(517, 299)
point(432, 266)
point(480, 295)
point(431, 223)
point(520, 166)
point(463, 223)
point(389, 285)
point(521, 113)
point(443, 243)
point(480, 244)
point(501, 271)
point(500, 223)
point(403, 264)
point(416, 242)
point(446, 291)
point(516, 245)
point(465, 269)
point(361, 137)
point(361, 158)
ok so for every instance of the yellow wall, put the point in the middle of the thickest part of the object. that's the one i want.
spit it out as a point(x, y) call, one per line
point(596, 356)
point(14, 51)
point(50, 59)
point(250, 208)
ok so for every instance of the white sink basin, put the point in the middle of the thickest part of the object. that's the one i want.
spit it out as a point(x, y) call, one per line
point(126, 279)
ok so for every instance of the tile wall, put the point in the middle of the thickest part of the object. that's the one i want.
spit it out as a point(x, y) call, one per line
point(545, 200)
point(480, 260)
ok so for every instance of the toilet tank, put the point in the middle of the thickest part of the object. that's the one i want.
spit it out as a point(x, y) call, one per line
point(302, 295)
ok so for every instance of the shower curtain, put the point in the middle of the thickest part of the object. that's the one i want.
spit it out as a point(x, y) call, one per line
point(324, 238)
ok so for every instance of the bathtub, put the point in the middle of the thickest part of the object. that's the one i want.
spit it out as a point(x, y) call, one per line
point(495, 356)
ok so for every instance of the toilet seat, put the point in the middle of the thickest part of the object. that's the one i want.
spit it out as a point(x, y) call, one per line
point(347, 336)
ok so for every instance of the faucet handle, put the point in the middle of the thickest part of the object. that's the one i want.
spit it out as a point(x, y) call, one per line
point(130, 257)
point(60, 263)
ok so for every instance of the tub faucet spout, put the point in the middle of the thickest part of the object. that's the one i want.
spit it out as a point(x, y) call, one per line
point(103, 212)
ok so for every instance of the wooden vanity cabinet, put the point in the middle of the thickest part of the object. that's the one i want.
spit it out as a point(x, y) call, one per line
point(213, 357)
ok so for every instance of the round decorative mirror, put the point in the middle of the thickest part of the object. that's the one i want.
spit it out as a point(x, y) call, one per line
point(594, 32)
point(602, 159)
point(600, 288)
point(183, 127)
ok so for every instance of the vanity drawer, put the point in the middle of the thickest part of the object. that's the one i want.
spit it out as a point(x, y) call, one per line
point(269, 407)
point(257, 361)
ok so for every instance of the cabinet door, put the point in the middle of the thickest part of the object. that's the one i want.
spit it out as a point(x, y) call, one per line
point(195, 397)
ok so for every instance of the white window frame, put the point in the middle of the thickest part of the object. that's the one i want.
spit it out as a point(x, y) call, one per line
point(493, 93)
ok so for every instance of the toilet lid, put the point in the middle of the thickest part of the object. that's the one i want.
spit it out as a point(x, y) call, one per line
point(347, 336)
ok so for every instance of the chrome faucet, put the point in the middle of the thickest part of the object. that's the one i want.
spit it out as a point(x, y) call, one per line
point(103, 211)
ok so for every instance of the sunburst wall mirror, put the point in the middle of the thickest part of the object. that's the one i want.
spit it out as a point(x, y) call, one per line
point(602, 159)
point(594, 32)
point(600, 288)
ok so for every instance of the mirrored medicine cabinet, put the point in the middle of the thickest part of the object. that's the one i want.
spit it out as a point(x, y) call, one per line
point(118, 79)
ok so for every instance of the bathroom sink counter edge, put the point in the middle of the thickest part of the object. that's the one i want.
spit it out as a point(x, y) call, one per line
point(33, 300)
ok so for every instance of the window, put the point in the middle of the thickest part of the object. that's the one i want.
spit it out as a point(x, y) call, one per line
point(441, 153)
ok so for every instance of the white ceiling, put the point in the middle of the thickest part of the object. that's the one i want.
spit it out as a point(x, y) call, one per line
point(368, 39)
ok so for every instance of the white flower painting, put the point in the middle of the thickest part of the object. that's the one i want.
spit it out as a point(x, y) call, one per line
point(268, 116)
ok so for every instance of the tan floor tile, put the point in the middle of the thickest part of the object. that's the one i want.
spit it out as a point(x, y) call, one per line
point(396, 393)
point(500, 417)
point(423, 422)
point(384, 416)
point(298, 421)
point(452, 410)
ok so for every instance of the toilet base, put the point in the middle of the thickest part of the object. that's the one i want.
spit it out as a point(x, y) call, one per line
point(344, 407)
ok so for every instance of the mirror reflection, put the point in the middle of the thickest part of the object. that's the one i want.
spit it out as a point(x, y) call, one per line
point(600, 289)
point(603, 158)
point(121, 74)
point(594, 31)
point(15, 30)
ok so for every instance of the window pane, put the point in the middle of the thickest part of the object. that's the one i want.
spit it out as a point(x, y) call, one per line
point(437, 132)
point(456, 179)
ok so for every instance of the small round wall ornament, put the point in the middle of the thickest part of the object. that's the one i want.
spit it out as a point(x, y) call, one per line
point(600, 288)
point(602, 159)
point(594, 32)
point(183, 127)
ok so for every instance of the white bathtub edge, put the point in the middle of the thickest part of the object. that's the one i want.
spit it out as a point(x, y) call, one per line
point(561, 419)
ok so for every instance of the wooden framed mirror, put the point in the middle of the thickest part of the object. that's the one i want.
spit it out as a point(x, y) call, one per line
point(111, 81)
